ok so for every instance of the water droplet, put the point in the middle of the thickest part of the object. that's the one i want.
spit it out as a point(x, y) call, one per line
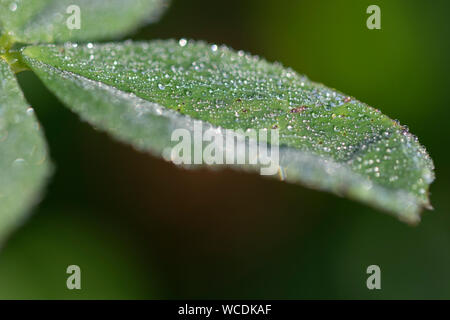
point(13, 7)
point(182, 42)
point(19, 162)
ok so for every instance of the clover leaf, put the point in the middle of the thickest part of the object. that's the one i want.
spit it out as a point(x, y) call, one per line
point(140, 92)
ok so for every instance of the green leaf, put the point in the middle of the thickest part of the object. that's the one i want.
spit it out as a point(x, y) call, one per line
point(24, 164)
point(32, 21)
point(141, 92)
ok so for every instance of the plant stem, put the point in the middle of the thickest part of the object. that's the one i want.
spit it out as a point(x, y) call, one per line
point(6, 43)
point(11, 56)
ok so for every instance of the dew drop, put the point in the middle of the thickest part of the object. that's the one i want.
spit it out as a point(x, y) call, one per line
point(13, 7)
point(18, 162)
point(182, 42)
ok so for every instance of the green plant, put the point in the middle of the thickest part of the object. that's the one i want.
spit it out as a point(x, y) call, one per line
point(139, 92)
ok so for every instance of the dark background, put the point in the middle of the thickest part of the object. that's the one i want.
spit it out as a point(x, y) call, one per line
point(141, 228)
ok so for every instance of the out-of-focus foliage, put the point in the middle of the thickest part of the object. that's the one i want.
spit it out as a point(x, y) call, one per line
point(34, 265)
point(24, 163)
point(75, 20)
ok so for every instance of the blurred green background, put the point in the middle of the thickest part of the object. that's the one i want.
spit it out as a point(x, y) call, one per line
point(141, 228)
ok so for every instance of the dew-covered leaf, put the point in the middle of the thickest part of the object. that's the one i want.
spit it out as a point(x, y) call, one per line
point(24, 163)
point(32, 21)
point(141, 92)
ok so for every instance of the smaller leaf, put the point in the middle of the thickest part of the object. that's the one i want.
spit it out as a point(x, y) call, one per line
point(24, 164)
point(32, 21)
